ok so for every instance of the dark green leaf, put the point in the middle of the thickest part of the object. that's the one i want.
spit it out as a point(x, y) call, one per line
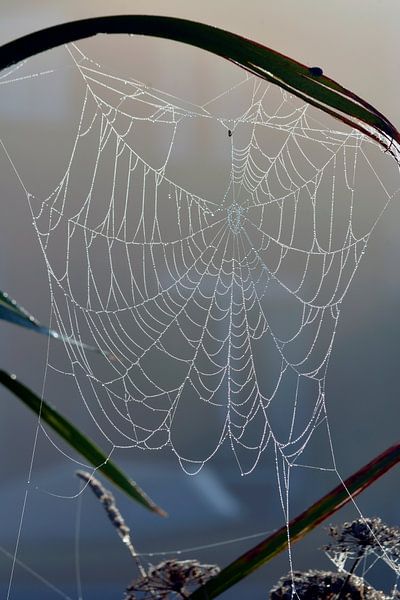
point(12, 312)
point(78, 441)
point(300, 526)
point(308, 83)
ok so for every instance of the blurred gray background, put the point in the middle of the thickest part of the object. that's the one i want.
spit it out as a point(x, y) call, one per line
point(355, 43)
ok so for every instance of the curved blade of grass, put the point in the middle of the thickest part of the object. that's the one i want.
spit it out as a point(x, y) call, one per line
point(307, 83)
point(78, 441)
point(299, 526)
point(14, 313)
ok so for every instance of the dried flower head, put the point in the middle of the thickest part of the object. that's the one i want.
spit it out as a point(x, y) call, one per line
point(324, 585)
point(363, 537)
point(171, 579)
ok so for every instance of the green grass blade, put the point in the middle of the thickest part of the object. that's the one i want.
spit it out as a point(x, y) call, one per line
point(78, 441)
point(310, 84)
point(14, 313)
point(299, 526)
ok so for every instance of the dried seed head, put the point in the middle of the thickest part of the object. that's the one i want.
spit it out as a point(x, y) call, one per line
point(363, 537)
point(324, 585)
point(108, 501)
point(170, 579)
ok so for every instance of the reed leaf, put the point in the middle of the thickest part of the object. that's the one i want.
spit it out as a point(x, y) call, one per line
point(14, 313)
point(78, 441)
point(308, 83)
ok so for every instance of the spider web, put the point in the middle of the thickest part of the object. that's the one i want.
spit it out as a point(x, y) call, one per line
point(195, 284)
point(214, 298)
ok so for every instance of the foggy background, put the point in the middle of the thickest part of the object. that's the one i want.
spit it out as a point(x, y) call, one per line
point(356, 45)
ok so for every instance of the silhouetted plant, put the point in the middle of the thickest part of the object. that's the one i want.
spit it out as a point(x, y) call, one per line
point(324, 585)
point(170, 579)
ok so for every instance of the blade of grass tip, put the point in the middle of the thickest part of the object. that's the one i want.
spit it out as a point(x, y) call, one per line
point(78, 441)
point(308, 83)
point(14, 313)
point(299, 526)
